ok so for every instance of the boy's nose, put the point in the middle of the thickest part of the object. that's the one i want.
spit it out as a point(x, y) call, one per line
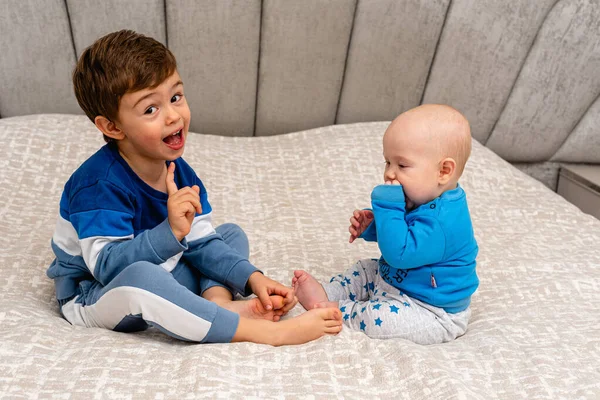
point(390, 175)
point(172, 115)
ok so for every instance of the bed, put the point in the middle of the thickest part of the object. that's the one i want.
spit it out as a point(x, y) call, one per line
point(286, 134)
point(533, 333)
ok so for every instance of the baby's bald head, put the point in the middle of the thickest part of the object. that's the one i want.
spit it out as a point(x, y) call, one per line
point(441, 128)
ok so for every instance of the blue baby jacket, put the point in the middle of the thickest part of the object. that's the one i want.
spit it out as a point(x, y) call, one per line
point(428, 253)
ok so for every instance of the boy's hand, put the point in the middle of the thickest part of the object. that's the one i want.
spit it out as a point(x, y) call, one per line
point(360, 221)
point(182, 206)
point(264, 287)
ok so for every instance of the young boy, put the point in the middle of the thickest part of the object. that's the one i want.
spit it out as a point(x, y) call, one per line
point(420, 288)
point(134, 242)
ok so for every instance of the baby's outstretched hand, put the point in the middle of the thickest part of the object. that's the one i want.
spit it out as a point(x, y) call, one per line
point(359, 222)
point(264, 287)
point(182, 206)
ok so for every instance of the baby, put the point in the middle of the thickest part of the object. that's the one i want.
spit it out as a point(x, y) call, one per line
point(420, 289)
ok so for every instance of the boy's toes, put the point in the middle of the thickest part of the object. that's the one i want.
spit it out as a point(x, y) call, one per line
point(333, 330)
point(331, 314)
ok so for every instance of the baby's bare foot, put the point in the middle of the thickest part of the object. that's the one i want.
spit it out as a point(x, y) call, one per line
point(308, 290)
point(309, 326)
point(254, 309)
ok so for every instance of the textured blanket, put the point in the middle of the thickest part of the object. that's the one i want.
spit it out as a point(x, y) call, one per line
point(535, 327)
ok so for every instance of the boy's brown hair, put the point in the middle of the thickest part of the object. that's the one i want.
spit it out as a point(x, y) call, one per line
point(120, 62)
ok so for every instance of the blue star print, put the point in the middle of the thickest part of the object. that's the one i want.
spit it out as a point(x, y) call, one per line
point(366, 287)
point(376, 306)
point(352, 296)
point(371, 285)
point(348, 281)
point(378, 321)
point(383, 294)
point(406, 304)
point(346, 316)
point(362, 325)
point(363, 309)
point(394, 309)
point(356, 273)
point(343, 283)
point(354, 315)
point(343, 309)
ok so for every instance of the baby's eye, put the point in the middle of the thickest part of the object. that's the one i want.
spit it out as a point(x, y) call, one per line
point(150, 110)
point(401, 165)
point(176, 98)
point(387, 163)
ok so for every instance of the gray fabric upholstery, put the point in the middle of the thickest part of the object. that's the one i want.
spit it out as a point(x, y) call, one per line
point(525, 73)
point(36, 58)
point(302, 58)
point(392, 46)
point(480, 54)
point(558, 83)
point(583, 145)
point(545, 172)
point(143, 16)
point(216, 44)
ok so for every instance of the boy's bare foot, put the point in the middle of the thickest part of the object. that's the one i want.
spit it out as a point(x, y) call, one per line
point(254, 309)
point(308, 326)
point(308, 290)
point(328, 304)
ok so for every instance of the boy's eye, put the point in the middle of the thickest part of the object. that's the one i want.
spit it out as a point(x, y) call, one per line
point(387, 163)
point(176, 98)
point(150, 110)
point(401, 165)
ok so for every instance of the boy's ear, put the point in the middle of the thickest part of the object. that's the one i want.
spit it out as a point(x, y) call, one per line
point(447, 168)
point(108, 127)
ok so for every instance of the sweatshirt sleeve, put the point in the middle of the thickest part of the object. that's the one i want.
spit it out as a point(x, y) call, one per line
point(208, 252)
point(370, 234)
point(404, 246)
point(217, 260)
point(102, 215)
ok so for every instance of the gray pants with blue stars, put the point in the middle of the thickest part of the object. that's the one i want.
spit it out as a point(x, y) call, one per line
point(381, 311)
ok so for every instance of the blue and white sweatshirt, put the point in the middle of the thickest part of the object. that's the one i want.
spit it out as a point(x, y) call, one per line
point(428, 253)
point(110, 218)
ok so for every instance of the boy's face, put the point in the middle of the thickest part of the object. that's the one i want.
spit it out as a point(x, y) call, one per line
point(411, 161)
point(155, 123)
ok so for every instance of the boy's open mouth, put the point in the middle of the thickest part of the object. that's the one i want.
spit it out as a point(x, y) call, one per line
point(174, 141)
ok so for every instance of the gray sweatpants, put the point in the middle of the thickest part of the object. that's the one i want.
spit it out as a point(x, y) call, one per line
point(381, 311)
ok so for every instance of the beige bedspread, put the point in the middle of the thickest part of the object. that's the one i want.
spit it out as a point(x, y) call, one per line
point(534, 333)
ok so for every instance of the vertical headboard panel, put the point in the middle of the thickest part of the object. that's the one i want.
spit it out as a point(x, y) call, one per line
point(217, 45)
point(36, 58)
point(91, 19)
point(392, 46)
point(302, 58)
point(583, 144)
point(481, 51)
point(557, 85)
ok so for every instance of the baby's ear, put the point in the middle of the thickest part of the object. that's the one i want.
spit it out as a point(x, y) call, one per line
point(108, 127)
point(446, 170)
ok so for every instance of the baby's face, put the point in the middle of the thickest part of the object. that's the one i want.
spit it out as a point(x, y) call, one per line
point(411, 161)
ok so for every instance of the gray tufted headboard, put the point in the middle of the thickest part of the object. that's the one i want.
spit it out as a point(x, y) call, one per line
point(525, 73)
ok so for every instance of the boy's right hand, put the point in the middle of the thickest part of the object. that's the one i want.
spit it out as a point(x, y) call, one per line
point(360, 221)
point(182, 206)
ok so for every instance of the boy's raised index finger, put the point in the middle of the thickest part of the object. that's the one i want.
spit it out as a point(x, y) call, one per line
point(170, 180)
